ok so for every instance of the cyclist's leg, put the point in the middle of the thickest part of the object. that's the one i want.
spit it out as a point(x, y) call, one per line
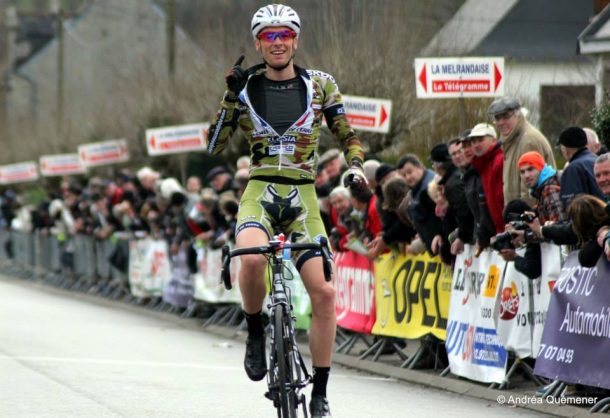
point(253, 230)
point(252, 270)
point(323, 323)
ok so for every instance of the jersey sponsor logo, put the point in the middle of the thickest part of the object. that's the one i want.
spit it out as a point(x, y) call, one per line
point(284, 149)
point(304, 131)
point(262, 132)
point(321, 74)
point(282, 140)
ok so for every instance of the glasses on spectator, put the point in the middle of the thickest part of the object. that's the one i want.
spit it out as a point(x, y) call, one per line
point(272, 35)
point(504, 116)
point(477, 139)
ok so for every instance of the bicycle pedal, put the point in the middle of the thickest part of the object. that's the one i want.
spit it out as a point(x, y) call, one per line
point(269, 396)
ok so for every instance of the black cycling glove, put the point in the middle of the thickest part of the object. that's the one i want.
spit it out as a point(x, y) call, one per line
point(236, 77)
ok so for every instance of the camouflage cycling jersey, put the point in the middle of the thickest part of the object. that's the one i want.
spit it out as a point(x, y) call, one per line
point(294, 154)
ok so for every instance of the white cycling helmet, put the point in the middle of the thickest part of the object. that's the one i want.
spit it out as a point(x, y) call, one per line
point(275, 15)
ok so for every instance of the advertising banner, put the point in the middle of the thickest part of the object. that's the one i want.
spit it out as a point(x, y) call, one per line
point(576, 338)
point(18, 173)
point(101, 153)
point(472, 343)
point(61, 165)
point(177, 139)
point(354, 286)
point(412, 295)
point(178, 290)
point(149, 267)
point(208, 285)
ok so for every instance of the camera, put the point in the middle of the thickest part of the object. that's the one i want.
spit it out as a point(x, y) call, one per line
point(519, 221)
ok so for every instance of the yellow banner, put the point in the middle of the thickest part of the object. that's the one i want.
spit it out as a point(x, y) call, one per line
point(411, 296)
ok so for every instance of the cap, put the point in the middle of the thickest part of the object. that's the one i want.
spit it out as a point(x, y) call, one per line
point(216, 171)
point(169, 187)
point(532, 158)
point(573, 137)
point(382, 171)
point(146, 172)
point(329, 155)
point(503, 104)
point(482, 129)
point(440, 154)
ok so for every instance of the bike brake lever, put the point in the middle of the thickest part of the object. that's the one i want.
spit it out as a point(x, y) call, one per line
point(225, 274)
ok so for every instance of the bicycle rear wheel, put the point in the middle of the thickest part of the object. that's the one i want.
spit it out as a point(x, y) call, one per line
point(285, 365)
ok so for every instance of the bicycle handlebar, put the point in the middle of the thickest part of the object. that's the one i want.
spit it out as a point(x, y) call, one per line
point(271, 248)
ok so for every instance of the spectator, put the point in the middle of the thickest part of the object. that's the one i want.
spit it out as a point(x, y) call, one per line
point(542, 181)
point(459, 217)
point(578, 176)
point(517, 136)
point(220, 179)
point(340, 210)
point(420, 207)
point(394, 231)
point(593, 143)
point(602, 174)
point(589, 216)
point(331, 164)
point(243, 162)
point(147, 177)
point(242, 176)
point(365, 202)
point(489, 162)
point(530, 264)
point(193, 185)
point(370, 168)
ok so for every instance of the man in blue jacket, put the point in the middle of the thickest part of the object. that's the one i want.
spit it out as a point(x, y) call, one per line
point(578, 177)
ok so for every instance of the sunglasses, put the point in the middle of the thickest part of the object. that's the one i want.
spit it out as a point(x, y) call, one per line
point(503, 116)
point(272, 35)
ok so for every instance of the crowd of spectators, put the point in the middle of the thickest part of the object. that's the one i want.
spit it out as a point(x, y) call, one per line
point(476, 191)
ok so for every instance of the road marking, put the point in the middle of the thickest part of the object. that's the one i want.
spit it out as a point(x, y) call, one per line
point(117, 362)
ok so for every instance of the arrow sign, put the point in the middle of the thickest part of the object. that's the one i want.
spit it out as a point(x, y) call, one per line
point(459, 77)
point(18, 173)
point(102, 153)
point(177, 139)
point(61, 165)
point(368, 114)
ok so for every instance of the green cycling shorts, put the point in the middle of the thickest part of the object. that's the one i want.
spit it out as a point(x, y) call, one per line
point(275, 208)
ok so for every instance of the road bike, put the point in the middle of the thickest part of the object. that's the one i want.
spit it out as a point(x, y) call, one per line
point(287, 375)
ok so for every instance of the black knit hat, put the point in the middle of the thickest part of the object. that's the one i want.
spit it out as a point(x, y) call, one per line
point(573, 137)
point(440, 154)
point(382, 171)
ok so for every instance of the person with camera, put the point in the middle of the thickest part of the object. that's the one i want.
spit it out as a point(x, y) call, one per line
point(517, 214)
point(543, 184)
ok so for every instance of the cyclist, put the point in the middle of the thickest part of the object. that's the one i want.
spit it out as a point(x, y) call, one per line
point(280, 106)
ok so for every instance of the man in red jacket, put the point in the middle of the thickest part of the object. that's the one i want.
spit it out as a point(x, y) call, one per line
point(489, 162)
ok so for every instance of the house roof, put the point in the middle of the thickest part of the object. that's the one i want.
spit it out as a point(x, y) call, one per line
point(596, 37)
point(529, 30)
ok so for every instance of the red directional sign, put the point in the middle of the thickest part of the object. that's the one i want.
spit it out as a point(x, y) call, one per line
point(18, 173)
point(103, 153)
point(61, 165)
point(368, 114)
point(177, 139)
point(459, 77)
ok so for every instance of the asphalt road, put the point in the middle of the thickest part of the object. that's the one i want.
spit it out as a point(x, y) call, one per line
point(65, 356)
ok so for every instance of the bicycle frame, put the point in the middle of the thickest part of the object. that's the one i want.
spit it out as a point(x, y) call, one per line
point(287, 374)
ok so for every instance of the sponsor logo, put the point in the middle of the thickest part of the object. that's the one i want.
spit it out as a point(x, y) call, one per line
point(509, 302)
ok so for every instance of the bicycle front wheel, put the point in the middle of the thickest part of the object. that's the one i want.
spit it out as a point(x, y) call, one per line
point(283, 345)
